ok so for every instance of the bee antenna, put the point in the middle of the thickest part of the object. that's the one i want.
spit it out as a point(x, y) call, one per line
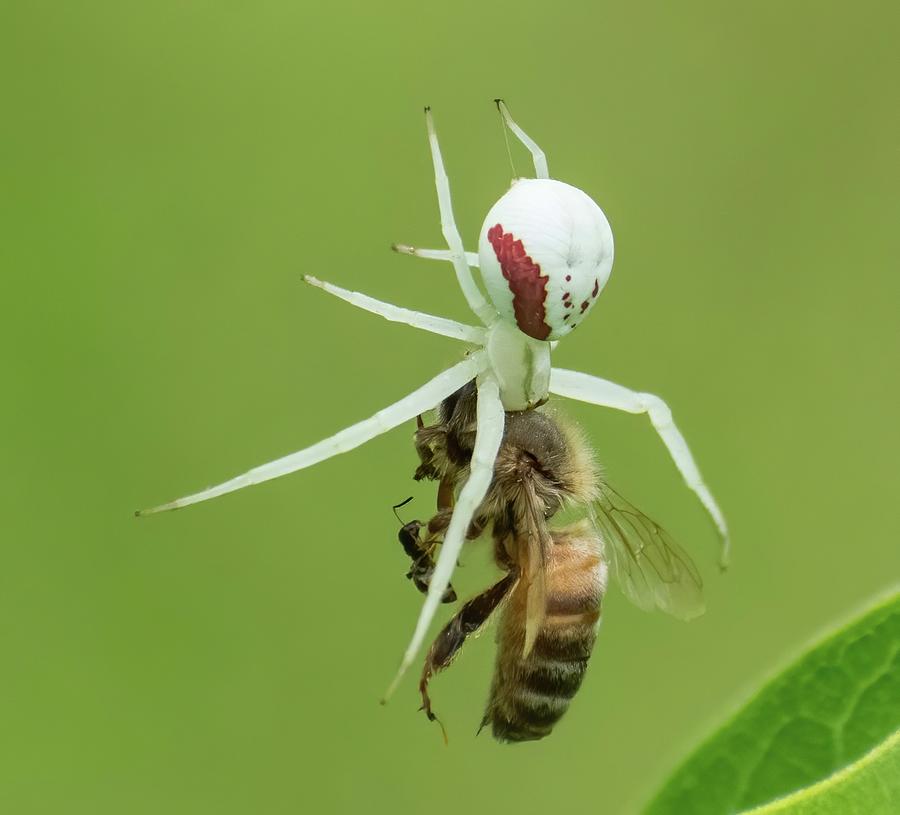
point(401, 504)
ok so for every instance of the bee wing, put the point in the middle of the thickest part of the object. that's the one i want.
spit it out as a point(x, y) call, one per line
point(534, 551)
point(653, 570)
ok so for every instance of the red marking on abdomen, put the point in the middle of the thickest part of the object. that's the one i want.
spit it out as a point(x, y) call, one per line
point(596, 290)
point(527, 284)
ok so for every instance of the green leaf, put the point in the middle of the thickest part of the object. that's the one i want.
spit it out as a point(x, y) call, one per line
point(817, 725)
point(868, 786)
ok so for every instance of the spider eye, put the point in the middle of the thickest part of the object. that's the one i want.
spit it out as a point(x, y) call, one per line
point(546, 251)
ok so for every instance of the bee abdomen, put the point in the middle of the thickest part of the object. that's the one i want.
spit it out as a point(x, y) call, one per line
point(538, 693)
point(531, 692)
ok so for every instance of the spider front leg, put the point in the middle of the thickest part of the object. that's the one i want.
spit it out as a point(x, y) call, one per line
point(489, 434)
point(596, 391)
point(537, 155)
point(420, 400)
point(473, 295)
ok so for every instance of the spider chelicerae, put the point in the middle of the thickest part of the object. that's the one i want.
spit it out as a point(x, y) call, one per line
point(545, 251)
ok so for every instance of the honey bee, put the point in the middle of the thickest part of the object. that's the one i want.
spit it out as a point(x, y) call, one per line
point(550, 597)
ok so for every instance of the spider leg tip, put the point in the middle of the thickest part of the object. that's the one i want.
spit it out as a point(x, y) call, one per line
point(143, 513)
point(725, 555)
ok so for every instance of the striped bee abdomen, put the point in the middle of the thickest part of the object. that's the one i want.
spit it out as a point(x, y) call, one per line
point(530, 693)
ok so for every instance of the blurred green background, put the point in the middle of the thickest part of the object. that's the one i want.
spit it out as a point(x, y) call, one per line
point(168, 172)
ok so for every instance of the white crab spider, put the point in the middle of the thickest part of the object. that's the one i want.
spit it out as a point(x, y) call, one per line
point(545, 252)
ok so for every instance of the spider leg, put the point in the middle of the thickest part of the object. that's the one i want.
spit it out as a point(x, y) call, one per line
point(483, 310)
point(489, 424)
point(434, 254)
point(537, 155)
point(592, 389)
point(396, 314)
point(422, 399)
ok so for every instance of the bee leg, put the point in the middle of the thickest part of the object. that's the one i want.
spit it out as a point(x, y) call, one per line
point(439, 523)
point(467, 621)
point(424, 441)
point(445, 496)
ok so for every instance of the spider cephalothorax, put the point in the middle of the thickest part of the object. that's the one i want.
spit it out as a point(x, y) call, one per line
point(545, 252)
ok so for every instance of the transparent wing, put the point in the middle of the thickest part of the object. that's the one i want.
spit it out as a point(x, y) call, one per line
point(653, 570)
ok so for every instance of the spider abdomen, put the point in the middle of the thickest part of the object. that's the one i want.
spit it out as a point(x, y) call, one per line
point(546, 252)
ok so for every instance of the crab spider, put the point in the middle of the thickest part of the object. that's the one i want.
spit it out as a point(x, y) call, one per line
point(545, 252)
